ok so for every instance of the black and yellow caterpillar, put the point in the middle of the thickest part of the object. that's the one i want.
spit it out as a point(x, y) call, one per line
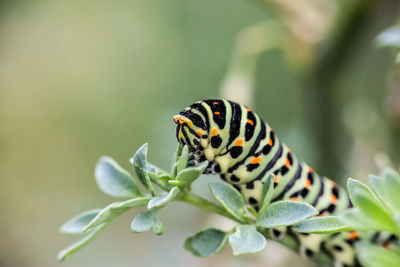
point(244, 150)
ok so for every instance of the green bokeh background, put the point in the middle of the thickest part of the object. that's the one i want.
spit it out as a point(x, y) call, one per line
point(82, 79)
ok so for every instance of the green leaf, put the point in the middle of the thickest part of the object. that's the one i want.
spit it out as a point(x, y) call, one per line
point(188, 175)
point(76, 224)
point(80, 244)
point(377, 184)
point(389, 37)
point(139, 162)
point(206, 242)
point(114, 180)
point(246, 240)
point(284, 213)
point(229, 198)
point(146, 220)
point(115, 209)
point(354, 218)
point(322, 225)
point(150, 168)
point(134, 202)
point(183, 159)
point(387, 187)
point(177, 183)
point(154, 172)
point(267, 192)
point(358, 220)
point(177, 157)
point(158, 176)
point(392, 189)
point(359, 191)
point(163, 200)
point(372, 256)
point(367, 202)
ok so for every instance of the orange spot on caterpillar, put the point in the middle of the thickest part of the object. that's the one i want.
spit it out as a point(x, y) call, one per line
point(334, 185)
point(308, 184)
point(181, 122)
point(333, 199)
point(321, 215)
point(309, 170)
point(215, 103)
point(287, 163)
point(250, 122)
point(293, 198)
point(248, 110)
point(199, 133)
point(214, 132)
point(189, 123)
point(256, 160)
point(217, 112)
point(386, 245)
point(276, 180)
point(239, 142)
point(270, 142)
point(353, 235)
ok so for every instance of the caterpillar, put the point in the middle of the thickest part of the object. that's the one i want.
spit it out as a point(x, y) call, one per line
point(244, 150)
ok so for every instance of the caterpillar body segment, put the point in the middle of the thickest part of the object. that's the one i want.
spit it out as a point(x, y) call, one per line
point(244, 150)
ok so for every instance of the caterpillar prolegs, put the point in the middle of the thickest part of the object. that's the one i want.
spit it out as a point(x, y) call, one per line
point(244, 150)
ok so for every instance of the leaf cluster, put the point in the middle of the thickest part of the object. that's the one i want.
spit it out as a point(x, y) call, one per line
point(117, 182)
point(246, 237)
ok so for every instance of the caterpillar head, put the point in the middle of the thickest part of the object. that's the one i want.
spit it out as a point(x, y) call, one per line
point(192, 130)
point(188, 131)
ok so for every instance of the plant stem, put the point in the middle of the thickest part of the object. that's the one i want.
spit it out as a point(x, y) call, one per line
point(81, 243)
point(205, 204)
point(162, 185)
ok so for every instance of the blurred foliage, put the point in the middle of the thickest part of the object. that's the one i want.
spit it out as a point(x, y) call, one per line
point(82, 79)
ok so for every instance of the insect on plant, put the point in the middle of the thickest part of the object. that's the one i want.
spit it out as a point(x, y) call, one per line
point(266, 189)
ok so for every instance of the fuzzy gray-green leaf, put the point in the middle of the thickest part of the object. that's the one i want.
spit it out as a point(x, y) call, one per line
point(147, 220)
point(163, 200)
point(183, 159)
point(188, 175)
point(267, 193)
point(322, 225)
point(229, 198)
point(79, 222)
point(139, 162)
point(113, 180)
point(206, 242)
point(81, 243)
point(115, 209)
point(285, 213)
point(246, 240)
